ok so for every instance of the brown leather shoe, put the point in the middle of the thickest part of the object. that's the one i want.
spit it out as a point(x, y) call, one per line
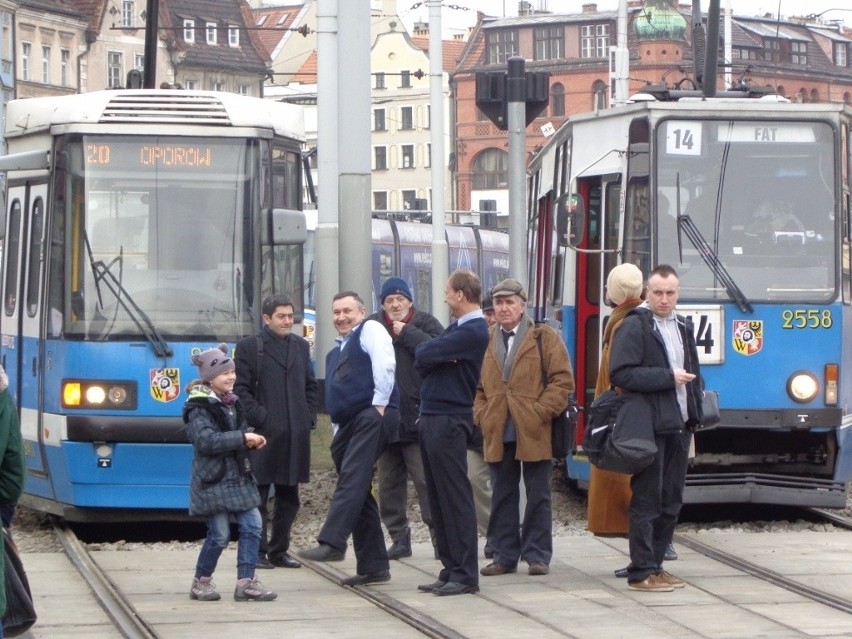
point(668, 578)
point(539, 568)
point(494, 569)
point(650, 584)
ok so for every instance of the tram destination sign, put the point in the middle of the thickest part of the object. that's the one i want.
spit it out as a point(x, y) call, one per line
point(157, 154)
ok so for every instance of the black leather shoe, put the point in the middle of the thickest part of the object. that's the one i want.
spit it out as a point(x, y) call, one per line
point(621, 573)
point(263, 563)
point(455, 588)
point(323, 552)
point(431, 587)
point(671, 553)
point(362, 580)
point(401, 548)
point(285, 561)
point(488, 552)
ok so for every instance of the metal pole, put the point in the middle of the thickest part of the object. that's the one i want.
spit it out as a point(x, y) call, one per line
point(729, 19)
point(622, 58)
point(517, 115)
point(328, 282)
point(353, 116)
point(152, 23)
point(440, 250)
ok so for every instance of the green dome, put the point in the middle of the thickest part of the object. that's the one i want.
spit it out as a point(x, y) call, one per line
point(659, 21)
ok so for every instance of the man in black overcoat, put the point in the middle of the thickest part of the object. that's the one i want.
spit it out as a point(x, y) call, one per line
point(276, 384)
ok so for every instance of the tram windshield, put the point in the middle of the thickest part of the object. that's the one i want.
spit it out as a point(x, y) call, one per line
point(762, 195)
point(156, 237)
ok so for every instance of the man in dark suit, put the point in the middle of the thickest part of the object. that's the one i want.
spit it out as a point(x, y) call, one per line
point(276, 384)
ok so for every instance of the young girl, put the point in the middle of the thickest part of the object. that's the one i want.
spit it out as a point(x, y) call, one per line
point(221, 483)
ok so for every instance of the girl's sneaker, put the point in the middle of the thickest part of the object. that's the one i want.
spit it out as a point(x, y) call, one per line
point(252, 590)
point(203, 589)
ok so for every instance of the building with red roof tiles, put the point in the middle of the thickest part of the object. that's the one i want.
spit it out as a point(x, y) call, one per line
point(70, 46)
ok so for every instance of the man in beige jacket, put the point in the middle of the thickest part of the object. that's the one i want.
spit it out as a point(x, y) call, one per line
point(526, 380)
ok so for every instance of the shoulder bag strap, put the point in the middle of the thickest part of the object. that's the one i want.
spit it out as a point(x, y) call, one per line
point(541, 359)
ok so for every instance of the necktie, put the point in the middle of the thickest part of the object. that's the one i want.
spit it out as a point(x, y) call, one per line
point(506, 336)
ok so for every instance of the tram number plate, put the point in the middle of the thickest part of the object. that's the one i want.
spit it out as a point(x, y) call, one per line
point(709, 325)
point(683, 138)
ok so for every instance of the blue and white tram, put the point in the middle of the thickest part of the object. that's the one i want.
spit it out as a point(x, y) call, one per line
point(750, 200)
point(140, 226)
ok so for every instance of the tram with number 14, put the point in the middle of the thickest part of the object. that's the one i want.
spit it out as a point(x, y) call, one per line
point(748, 197)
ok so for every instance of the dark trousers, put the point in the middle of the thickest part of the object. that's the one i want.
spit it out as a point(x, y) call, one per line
point(399, 462)
point(275, 536)
point(510, 540)
point(353, 510)
point(443, 445)
point(656, 503)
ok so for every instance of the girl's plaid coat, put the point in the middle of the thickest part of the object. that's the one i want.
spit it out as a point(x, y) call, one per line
point(220, 481)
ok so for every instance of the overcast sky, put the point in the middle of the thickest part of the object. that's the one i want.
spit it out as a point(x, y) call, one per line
point(465, 16)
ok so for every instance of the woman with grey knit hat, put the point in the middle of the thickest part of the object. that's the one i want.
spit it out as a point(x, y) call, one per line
point(222, 484)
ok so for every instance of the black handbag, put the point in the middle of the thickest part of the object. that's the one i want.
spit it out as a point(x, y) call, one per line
point(709, 409)
point(563, 425)
point(623, 440)
point(20, 613)
point(600, 423)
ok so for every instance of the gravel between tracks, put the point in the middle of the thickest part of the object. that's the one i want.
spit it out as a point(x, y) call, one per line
point(32, 531)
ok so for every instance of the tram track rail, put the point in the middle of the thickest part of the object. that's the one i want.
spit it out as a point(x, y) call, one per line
point(109, 596)
point(428, 626)
point(817, 595)
point(833, 517)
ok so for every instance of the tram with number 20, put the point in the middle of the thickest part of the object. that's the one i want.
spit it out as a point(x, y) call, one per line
point(749, 199)
point(141, 226)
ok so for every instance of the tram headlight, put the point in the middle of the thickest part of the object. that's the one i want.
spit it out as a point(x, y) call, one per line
point(99, 394)
point(802, 387)
point(95, 394)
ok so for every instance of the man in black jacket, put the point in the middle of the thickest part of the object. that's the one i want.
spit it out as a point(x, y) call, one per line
point(408, 327)
point(276, 384)
point(654, 354)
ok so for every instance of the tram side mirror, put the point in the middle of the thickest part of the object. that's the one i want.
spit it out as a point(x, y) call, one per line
point(285, 226)
point(570, 219)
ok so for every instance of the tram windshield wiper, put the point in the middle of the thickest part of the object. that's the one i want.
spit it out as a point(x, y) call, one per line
point(102, 273)
point(133, 310)
point(685, 223)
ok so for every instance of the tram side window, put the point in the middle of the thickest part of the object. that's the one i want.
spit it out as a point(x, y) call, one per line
point(56, 267)
point(637, 232)
point(286, 179)
point(34, 257)
point(12, 250)
point(285, 275)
